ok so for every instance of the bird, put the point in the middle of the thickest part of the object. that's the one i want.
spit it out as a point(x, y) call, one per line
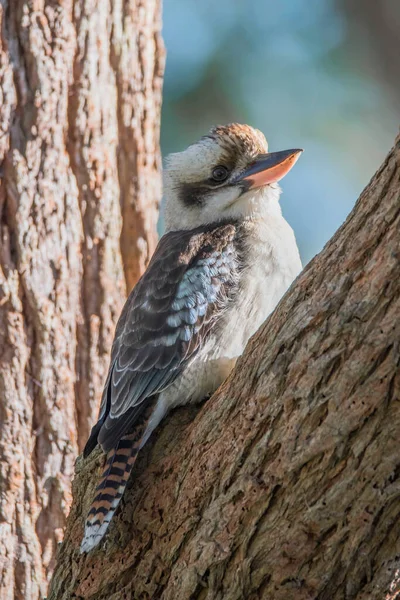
point(226, 258)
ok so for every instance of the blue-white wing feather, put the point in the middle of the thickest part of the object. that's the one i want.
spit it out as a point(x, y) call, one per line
point(189, 282)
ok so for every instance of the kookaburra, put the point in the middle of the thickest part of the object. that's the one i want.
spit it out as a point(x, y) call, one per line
point(227, 257)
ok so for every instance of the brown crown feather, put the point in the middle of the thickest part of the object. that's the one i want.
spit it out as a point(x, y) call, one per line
point(248, 140)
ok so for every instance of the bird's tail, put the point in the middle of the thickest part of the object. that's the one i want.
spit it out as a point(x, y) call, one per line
point(117, 469)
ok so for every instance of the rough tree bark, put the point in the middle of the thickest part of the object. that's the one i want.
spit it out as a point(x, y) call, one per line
point(286, 484)
point(80, 95)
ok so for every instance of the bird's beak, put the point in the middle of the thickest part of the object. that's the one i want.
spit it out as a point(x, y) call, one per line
point(269, 168)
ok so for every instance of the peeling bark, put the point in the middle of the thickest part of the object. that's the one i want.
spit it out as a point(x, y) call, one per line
point(80, 94)
point(286, 483)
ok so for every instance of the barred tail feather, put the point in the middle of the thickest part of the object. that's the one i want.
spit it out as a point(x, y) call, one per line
point(109, 492)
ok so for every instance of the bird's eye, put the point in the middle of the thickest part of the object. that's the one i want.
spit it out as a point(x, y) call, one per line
point(220, 173)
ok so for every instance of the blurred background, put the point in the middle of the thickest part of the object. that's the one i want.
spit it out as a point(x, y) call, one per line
point(323, 75)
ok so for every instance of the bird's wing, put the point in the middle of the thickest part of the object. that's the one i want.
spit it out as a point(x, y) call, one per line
point(190, 279)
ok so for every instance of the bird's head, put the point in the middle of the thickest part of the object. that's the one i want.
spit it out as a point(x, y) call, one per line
point(227, 174)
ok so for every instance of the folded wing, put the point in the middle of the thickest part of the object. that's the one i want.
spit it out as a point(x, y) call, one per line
point(190, 280)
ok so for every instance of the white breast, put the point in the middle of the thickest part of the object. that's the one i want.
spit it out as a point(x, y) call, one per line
point(273, 262)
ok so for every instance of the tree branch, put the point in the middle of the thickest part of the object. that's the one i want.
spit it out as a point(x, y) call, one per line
point(287, 482)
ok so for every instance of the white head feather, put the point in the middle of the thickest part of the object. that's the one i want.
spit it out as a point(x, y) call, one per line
point(187, 173)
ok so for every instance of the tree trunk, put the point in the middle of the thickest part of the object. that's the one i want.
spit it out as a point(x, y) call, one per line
point(286, 484)
point(80, 94)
